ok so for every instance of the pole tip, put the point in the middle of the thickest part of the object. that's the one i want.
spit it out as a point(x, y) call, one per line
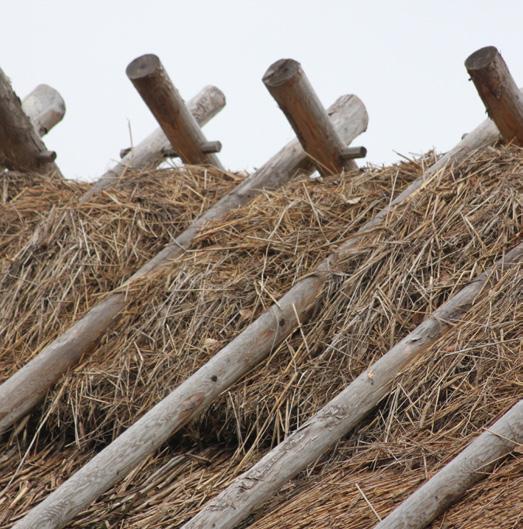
point(143, 66)
point(481, 58)
point(281, 72)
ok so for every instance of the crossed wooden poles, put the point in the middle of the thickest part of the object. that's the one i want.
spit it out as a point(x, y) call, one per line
point(323, 138)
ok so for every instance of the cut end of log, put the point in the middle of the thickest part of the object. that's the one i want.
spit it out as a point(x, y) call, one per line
point(281, 72)
point(215, 94)
point(46, 157)
point(350, 153)
point(481, 58)
point(143, 66)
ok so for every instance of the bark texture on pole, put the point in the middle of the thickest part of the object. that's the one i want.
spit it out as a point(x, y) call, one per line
point(154, 85)
point(339, 416)
point(223, 369)
point(21, 148)
point(29, 385)
point(44, 107)
point(498, 91)
point(452, 481)
point(150, 151)
point(290, 87)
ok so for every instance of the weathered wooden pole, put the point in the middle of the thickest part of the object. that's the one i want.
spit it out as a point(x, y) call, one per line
point(288, 84)
point(154, 85)
point(241, 355)
point(498, 91)
point(29, 385)
point(44, 107)
point(150, 151)
point(341, 415)
point(452, 481)
point(20, 146)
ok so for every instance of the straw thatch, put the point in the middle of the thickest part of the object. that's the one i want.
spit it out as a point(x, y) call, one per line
point(24, 201)
point(462, 220)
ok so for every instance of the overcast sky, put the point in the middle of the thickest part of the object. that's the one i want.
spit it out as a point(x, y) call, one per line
point(403, 58)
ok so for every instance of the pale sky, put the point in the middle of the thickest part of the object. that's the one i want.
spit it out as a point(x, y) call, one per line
point(403, 58)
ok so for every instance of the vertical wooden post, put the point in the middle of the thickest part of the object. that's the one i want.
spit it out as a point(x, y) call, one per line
point(20, 146)
point(288, 84)
point(498, 91)
point(453, 480)
point(44, 107)
point(154, 85)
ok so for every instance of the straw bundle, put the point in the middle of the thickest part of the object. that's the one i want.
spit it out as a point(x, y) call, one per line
point(24, 201)
point(456, 227)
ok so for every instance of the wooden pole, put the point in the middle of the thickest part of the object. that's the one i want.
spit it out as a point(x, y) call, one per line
point(149, 152)
point(29, 385)
point(21, 148)
point(498, 91)
point(341, 415)
point(44, 107)
point(154, 85)
point(453, 480)
point(288, 84)
point(195, 394)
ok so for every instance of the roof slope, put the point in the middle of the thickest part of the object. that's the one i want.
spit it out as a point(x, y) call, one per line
point(455, 227)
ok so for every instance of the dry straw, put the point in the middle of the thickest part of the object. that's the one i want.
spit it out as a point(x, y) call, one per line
point(457, 226)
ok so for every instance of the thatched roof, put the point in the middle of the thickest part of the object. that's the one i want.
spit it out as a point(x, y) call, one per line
point(455, 227)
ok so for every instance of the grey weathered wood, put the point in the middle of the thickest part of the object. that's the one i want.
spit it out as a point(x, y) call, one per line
point(154, 85)
point(44, 107)
point(498, 91)
point(452, 481)
point(354, 152)
point(237, 358)
point(208, 147)
point(290, 87)
point(149, 152)
point(341, 415)
point(29, 385)
point(20, 145)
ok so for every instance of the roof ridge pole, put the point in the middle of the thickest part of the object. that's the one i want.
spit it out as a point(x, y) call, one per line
point(343, 413)
point(164, 101)
point(498, 91)
point(289, 86)
point(21, 148)
point(227, 366)
point(452, 481)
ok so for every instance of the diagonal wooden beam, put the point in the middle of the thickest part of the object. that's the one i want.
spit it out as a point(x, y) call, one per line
point(342, 414)
point(157, 90)
point(498, 91)
point(290, 87)
point(150, 151)
point(453, 480)
point(21, 148)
